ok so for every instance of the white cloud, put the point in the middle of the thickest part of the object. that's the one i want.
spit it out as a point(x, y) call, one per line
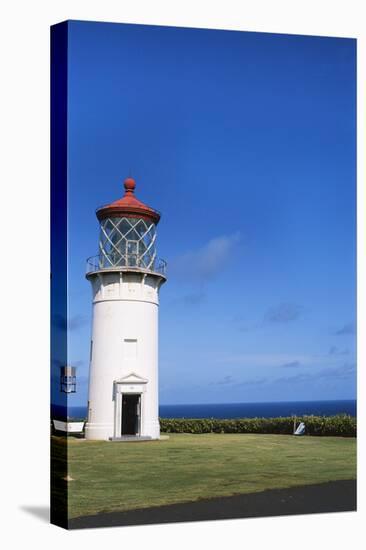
point(204, 263)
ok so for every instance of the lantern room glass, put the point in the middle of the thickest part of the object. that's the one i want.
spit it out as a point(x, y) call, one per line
point(127, 242)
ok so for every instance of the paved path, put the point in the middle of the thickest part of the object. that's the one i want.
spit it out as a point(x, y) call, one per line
point(334, 496)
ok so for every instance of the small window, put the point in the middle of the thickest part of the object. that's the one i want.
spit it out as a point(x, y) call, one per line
point(130, 348)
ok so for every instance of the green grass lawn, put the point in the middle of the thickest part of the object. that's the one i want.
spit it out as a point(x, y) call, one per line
point(122, 476)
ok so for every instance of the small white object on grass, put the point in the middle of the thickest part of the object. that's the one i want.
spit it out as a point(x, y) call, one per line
point(300, 430)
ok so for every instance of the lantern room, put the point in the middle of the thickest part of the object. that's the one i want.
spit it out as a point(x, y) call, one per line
point(127, 235)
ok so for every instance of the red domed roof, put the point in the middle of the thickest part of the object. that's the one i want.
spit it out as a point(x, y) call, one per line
point(128, 206)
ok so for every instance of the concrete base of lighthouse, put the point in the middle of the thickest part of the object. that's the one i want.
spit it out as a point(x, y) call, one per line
point(123, 384)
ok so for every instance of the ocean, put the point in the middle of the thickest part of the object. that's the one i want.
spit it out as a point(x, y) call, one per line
point(238, 410)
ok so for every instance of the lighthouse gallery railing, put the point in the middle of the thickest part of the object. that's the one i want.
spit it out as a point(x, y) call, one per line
point(130, 261)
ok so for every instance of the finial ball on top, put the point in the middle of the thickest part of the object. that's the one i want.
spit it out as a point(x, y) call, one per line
point(130, 185)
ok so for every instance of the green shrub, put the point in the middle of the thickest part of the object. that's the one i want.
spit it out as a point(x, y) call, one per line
point(340, 425)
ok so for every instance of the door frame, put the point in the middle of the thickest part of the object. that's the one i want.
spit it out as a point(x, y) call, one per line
point(131, 384)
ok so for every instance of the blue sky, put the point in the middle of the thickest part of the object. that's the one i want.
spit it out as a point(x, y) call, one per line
point(246, 144)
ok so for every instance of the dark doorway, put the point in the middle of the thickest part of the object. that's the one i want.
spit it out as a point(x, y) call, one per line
point(130, 414)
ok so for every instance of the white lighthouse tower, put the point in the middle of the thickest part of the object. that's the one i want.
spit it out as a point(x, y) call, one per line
point(126, 277)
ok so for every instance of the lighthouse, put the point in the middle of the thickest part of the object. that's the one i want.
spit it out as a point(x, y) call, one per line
point(125, 277)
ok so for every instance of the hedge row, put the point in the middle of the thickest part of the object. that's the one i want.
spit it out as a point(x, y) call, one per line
point(340, 425)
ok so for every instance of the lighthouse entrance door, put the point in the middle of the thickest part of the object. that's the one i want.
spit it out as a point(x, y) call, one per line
point(131, 406)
